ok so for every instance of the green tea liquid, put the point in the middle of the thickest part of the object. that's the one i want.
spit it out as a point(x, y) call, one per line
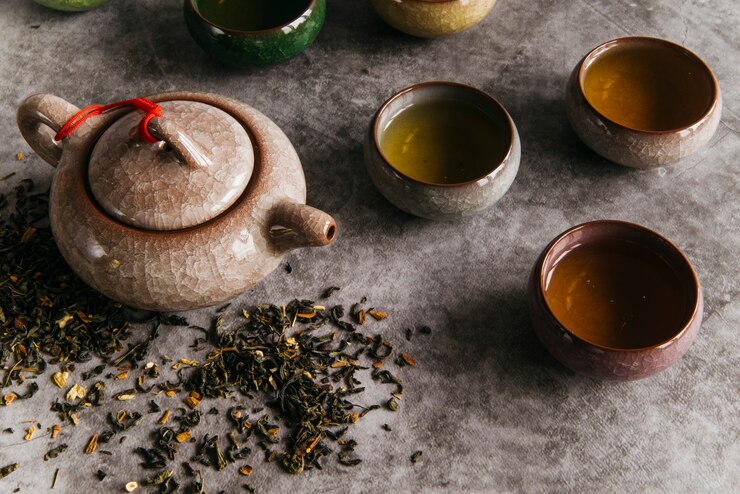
point(251, 15)
point(444, 142)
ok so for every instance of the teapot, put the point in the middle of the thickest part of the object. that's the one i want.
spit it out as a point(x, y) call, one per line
point(192, 210)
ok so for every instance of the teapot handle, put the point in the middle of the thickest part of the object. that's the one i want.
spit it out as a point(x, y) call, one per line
point(39, 118)
point(294, 225)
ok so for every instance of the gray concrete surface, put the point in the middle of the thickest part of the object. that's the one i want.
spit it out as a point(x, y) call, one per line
point(492, 411)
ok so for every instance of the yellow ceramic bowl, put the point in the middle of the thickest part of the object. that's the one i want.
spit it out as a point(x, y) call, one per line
point(432, 18)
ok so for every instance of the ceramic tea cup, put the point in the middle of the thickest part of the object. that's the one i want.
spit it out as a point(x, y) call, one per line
point(276, 32)
point(631, 311)
point(404, 166)
point(643, 102)
point(432, 18)
point(71, 5)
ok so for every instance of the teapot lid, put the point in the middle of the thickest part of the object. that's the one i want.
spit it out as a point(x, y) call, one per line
point(201, 166)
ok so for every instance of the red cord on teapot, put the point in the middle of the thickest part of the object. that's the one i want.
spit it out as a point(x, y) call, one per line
point(149, 107)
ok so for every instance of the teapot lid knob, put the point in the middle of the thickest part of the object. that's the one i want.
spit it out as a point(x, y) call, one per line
point(197, 170)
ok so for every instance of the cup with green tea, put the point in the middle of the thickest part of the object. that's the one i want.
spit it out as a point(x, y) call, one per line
point(246, 33)
point(442, 150)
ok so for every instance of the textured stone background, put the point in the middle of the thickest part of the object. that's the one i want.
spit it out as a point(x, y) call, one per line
point(487, 405)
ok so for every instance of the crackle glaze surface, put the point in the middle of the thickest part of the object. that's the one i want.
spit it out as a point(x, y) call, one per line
point(634, 148)
point(150, 186)
point(593, 360)
point(432, 18)
point(442, 202)
point(189, 268)
point(244, 49)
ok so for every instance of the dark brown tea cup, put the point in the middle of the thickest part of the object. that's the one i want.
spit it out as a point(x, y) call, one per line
point(614, 300)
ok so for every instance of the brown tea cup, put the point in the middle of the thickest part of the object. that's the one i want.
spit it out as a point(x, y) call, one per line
point(663, 105)
point(577, 346)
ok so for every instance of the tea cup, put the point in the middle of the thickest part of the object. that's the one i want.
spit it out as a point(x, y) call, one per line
point(642, 340)
point(291, 31)
point(662, 106)
point(71, 5)
point(484, 183)
point(432, 18)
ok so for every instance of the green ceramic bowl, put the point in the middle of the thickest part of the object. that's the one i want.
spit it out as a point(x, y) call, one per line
point(71, 5)
point(262, 47)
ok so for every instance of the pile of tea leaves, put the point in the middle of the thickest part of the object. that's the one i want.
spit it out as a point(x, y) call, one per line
point(47, 314)
point(298, 367)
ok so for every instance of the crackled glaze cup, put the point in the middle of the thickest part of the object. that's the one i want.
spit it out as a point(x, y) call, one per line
point(432, 18)
point(244, 48)
point(686, 110)
point(660, 350)
point(189, 221)
point(71, 5)
point(446, 201)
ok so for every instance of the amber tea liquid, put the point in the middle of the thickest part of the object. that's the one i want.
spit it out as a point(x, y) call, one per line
point(444, 142)
point(251, 15)
point(649, 88)
point(616, 294)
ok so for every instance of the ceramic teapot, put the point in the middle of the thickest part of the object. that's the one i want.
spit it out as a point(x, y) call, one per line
point(188, 221)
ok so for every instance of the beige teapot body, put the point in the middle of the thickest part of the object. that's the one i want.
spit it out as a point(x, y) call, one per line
point(188, 259)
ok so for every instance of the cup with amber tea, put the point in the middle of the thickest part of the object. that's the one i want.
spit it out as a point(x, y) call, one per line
point(614, 300)
point(247, 33)
point(643, 102)
point(442, 150)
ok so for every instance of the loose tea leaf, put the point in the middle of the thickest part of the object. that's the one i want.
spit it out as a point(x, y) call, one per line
point(7, 470)
point(330, 291)
point(54, 452)
point(92, 445)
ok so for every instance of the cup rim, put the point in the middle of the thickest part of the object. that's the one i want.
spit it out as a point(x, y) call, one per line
point(194, 8)
point(596, 52)
point(695, 285)
point(458, 86)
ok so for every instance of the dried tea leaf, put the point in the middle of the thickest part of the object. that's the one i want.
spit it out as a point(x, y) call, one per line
point(29, 433)
point(76, 392)
point(60, 378)
point(126, 395)
point(8, 469)
point(192, 400)
point(54, 452)
point(378, 315)
point(92, 445)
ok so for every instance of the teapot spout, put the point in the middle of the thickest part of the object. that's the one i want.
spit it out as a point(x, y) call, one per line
point(294, 225)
